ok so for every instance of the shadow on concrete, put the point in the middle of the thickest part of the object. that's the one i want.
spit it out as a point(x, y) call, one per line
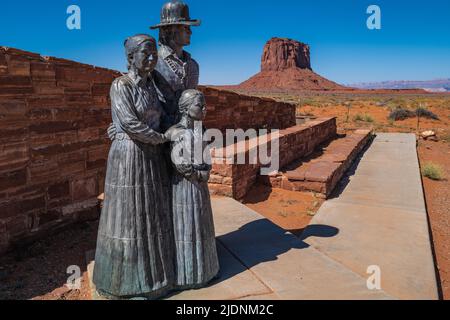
point(39, 269)
point(262, 241)
point(318, 231)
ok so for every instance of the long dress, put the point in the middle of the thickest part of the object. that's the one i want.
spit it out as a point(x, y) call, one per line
point(195, 243)
point(135, 248)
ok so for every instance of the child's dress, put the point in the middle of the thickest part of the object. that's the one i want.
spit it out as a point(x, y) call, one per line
point(196, 254)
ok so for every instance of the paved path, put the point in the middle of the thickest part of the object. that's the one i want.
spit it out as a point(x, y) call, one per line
point(382, 220)
point(379, 219)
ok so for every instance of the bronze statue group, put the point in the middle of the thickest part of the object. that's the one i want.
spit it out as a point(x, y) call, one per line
point(156, 232)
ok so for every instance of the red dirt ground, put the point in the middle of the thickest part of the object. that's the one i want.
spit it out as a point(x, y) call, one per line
point(437, 195)
point(288, 209)
point(38, 271)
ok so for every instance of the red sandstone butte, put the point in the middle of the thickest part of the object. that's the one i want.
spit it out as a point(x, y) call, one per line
point(286, 64)
point(280, 54)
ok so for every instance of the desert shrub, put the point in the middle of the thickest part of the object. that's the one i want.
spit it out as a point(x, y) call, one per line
point(424, 113)
point(364, 117)
point(397, 103)
point(401, 114)
point(433, 171)
point(368, 118)
point(309, 102)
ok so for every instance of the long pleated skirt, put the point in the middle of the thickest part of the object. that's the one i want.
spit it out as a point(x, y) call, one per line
point(196, 253)
point(135, 245)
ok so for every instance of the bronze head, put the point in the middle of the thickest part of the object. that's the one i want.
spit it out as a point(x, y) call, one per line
point(141, 52)
point(192, 105)
point(175, 25)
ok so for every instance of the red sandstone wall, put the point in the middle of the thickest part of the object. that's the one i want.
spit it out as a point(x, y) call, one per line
point(229, 110)
point(53, 149)
point(53, 145)
point(235, 180)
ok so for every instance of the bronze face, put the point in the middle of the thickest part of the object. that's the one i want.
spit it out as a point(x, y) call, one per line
point(182, 35)
point(145, 57)
point(197, 111)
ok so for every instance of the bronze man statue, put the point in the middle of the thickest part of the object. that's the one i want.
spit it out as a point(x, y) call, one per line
point(176, 71)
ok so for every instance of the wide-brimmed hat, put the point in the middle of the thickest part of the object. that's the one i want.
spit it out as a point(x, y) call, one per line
point(175, 13)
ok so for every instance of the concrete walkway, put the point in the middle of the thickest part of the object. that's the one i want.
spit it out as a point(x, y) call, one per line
point(382, 220)
point(378, 220)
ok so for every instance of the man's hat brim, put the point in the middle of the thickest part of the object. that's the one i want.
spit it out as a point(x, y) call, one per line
point(194, 23)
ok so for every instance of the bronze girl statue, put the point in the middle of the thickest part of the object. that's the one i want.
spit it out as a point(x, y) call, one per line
point(196, 254)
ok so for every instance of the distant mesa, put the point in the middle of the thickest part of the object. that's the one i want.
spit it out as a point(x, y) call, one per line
point(286, 65)
point(438, 85)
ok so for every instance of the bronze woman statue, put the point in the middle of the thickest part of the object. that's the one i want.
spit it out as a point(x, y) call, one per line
point(196, 253)
point(135, 245)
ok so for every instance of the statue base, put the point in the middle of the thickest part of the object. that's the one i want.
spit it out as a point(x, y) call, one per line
point(95, 295)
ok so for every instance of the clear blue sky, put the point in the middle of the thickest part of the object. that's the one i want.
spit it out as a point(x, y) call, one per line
point(413, 44)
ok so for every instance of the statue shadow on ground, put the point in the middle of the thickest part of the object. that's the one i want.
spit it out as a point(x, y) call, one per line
point(259, 242)
point(41, 268)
